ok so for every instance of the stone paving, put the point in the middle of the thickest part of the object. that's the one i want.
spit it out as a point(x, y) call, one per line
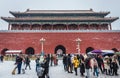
point(55, 72)
point(58, 72)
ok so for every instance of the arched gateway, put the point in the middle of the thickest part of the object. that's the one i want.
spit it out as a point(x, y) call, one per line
point(60, 49)
point(29, 51)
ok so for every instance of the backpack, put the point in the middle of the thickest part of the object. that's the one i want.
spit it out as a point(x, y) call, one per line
point(87, 63)
point(40, 71)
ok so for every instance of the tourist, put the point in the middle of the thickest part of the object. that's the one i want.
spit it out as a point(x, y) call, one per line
point(87, 66)
point(69, 64)
point(111, 65)
point(27, 62)
point(75, 64)
point(48, 58)
point(107, 65)
point(51, 59)
point(115, 67)
point(46, 67)
point(2, 57)
point(37, 62)
point(19, 63)
point(82, 68)
point(100, 62)
point(55, 60)
point(119, 59)
point(95, 67)
point(65, 62)
point(23, 64)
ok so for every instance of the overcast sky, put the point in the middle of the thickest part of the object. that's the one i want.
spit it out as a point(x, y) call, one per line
point(96, 5)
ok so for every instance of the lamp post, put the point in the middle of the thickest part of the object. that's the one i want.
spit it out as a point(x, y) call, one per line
point(78, 40)
point(42, 40)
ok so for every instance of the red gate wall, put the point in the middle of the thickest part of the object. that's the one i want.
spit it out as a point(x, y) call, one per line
point(23, 40)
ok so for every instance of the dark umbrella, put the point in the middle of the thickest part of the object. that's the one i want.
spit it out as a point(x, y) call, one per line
point(94, 52)
point(108, 52)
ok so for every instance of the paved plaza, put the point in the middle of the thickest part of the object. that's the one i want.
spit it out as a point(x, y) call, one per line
point(55, 71)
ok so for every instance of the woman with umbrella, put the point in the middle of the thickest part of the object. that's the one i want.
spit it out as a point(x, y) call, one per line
point(118, 56)
point(106, 65)
point(115, 67)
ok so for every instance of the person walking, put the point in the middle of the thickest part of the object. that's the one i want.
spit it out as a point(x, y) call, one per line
point(65, 62)
point(46, 67)
point(115, 67)
point(19, 63)
point(69, 64)
point(75, 64)
point(51, 59)
point(87, 66)
point(107, 65)
point(82, 68)
point(27, 61)
point(95, 67)
point(37, 62)
point(100, 63)
point(2, 57)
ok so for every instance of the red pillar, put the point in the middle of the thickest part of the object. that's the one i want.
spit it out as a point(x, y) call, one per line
point(67, 26)
point(110, 26)
point(9, 26)
point(52, 27)
point(41, 27)
point(99, 27)
point(30, 26)
point(86, 26)
point(19, 28)
point(78, 26)
point(89, 26)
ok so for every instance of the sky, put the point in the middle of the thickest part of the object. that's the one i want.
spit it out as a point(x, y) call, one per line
point(96, 5)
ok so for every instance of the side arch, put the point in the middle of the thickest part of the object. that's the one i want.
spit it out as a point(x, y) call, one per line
point(30, 51)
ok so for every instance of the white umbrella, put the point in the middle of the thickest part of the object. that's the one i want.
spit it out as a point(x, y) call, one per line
point(91, 53)
point(107, 51)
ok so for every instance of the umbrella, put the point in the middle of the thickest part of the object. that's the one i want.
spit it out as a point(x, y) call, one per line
point(96, 51)
point(108, 52)
point(90, 53)
point(117, 53)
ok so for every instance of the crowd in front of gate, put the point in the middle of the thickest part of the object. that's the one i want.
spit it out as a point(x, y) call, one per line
point(108, 65)
point(22, 62)
point(72, 63)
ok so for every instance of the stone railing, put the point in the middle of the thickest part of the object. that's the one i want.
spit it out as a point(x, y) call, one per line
point(59, 31)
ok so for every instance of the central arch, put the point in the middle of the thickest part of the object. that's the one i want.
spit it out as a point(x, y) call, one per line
point(60, 49)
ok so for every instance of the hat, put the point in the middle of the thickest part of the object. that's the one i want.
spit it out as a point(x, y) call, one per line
point(106, 57)
point(75, 57)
